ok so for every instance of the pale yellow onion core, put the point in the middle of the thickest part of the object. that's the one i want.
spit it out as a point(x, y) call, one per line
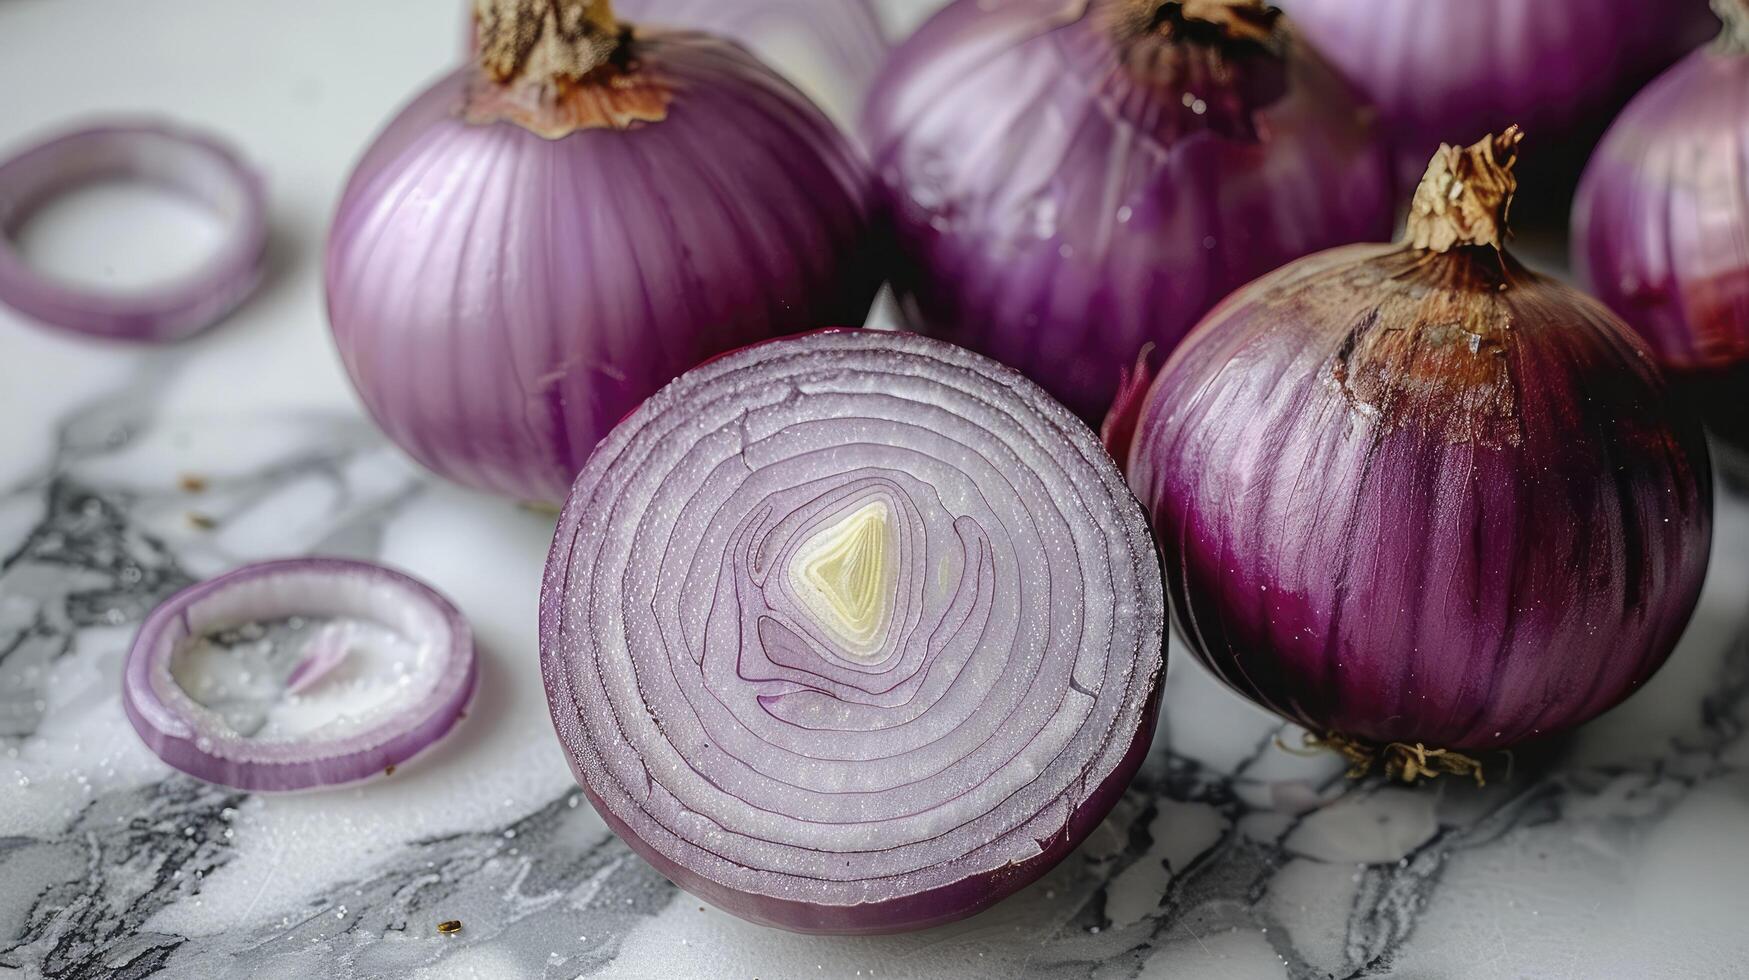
point(844, 576)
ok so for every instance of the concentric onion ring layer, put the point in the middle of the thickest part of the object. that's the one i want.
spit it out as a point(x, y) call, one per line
point(848, 618)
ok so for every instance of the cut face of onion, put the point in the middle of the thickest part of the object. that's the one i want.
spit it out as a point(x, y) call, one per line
point(853, 632)
point(295, 674)
point(170, 157)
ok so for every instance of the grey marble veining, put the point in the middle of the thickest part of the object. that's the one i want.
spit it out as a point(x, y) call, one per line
point(1231, 856)
point(1620, 852)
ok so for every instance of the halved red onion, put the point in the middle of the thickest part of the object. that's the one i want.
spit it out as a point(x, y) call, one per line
point(294, 674)
point(164, 154)
point(852, 632)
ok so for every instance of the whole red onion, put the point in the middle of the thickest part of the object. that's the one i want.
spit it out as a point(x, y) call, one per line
point(841, 44)
point(1459, 69)
point(1071, 181)
point(1419, 498)
point(1661, 223)
point(832, 48)
point(852, 632)
point(545, 238)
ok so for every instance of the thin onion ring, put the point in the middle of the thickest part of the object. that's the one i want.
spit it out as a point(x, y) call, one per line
point(156, 153)
point(180, 731)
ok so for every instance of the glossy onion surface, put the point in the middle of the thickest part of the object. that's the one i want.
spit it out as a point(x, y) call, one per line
point(832, 48)
point(501, 300)
point(854, 632)
point(1062, 199)
point(1418, 498)
point(1661, 224)
point(1451, 71)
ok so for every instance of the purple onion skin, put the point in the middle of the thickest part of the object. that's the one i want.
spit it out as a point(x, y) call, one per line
point(1661, 223)
point(1453, 71)
point(844, 34)
point(1059, 233)
point(501, 300)
point(1379, 525)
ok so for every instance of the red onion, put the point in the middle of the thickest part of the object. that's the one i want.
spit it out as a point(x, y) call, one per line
point(541, 241)
point(1417, 498)
point(1445, 69)
point(294, 674)
point(1070, 181)
point(830, 48)
point(1661, 223)
point(170, 156)
point(854, 632)
point(805, 39)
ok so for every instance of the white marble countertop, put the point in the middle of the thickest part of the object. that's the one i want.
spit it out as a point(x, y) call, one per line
point(1619, 852)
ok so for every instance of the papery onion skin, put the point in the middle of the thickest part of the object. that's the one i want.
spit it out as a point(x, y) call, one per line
point(722, 730)
point(845, 43)
point(171, 724)
point(1661, 222)
point(1455, 70)
point(1422, 498)
point(1058, 206)
point(501, 299)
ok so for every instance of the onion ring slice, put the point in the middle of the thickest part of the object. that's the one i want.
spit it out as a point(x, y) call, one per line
point(370, 606)
point(159, 154)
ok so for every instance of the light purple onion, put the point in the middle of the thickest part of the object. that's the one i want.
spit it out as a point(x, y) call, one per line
point(1452, 71)
point(175, 158)
point(854, 632)
point(1065, 193)
point(427, 700)
point(502, 299)
point(1419, 494)
point(832, 48)
point(1661, 223)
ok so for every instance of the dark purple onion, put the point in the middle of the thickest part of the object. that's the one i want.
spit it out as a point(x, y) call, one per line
point(1457, 70)
point(1071, 181)
point(198, 735)
point(173, 157)
point(1419, 495)
point(511, 272)
point(854, 632)
point(1661, 223)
